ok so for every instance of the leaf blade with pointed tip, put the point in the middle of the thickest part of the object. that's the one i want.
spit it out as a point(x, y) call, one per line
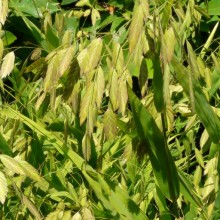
point(202, 107)
point(150, 135)
point(4, 147)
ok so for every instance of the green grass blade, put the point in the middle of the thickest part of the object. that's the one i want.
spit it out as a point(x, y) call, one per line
point(4, 147)
point(188, 191)
point(160, 157)
point(110, 201)
point(158, 85)
point(202, 107)
point(209, 40)
point(114, 198)
point(161, 203)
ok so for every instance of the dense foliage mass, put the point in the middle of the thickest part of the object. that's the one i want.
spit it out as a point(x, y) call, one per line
point(109, 110)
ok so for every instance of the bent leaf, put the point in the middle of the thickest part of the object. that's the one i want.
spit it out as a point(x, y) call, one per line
point(202, 107)
point(159, 155)
point(188, 191)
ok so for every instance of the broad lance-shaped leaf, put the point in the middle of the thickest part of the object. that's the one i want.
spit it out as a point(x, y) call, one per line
point(89, 57)
point(202, 107)
point(162, 162)
point(3, 188)
point(7, 64)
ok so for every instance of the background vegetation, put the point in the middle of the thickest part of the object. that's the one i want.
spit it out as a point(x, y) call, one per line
point(109, 110)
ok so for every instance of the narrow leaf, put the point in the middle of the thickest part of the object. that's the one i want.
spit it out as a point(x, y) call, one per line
point(4, 147)
point(202, 107)
point(117, 200)
point(209, 40)
point(31, 207)
point(161, 203)
point(188, 191)
point(116, 191)
point(143, 76)
point(158, 85)
point(35, 31)
point(159, 155)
